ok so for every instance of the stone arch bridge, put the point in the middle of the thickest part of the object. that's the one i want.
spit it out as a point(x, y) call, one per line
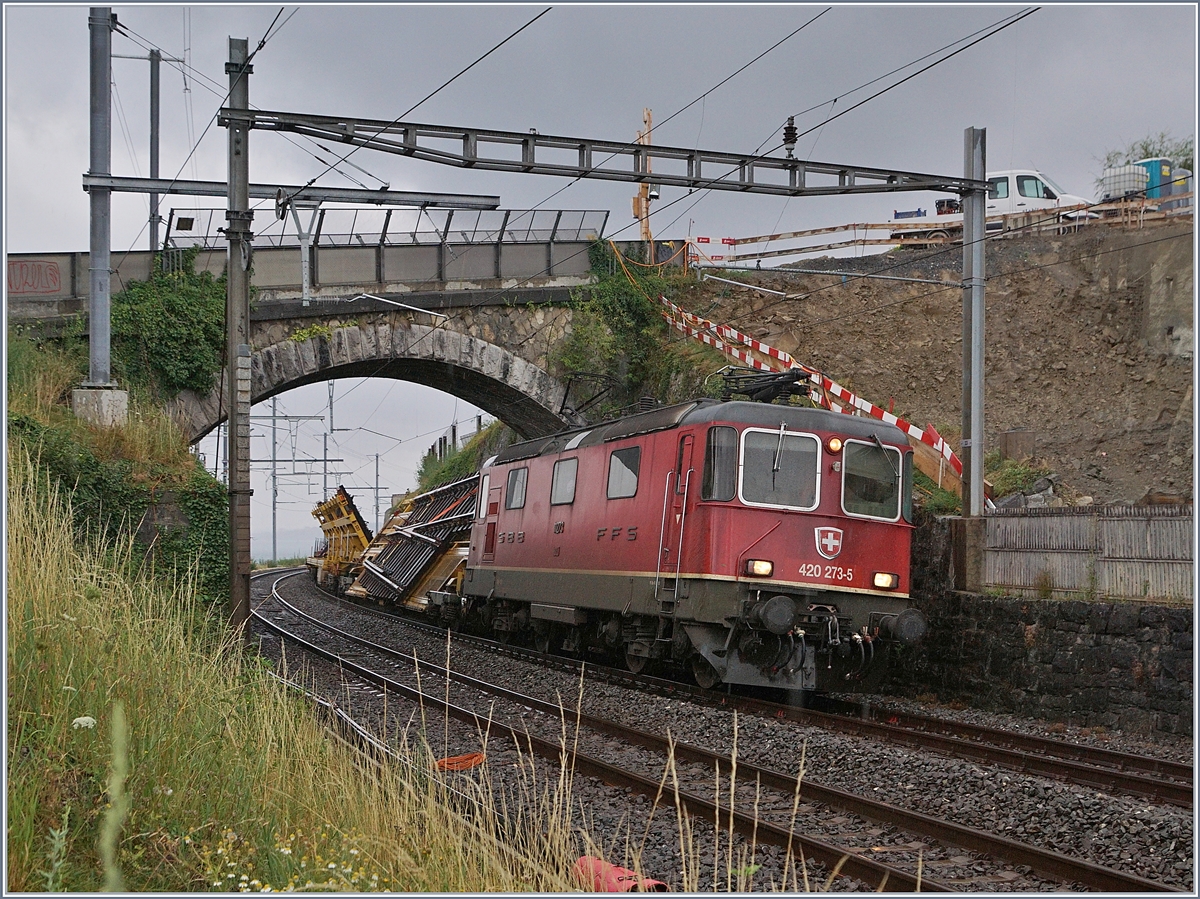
point(495, 356)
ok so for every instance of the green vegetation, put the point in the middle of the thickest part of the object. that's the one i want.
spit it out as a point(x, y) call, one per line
point(934, 499)
point(317, 330)
point(168, 333)
point(618, 330)
point(148, 751)
point(1009, 476)
point(464, 462)
point(116, 475)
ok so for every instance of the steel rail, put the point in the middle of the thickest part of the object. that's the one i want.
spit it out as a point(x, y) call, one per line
point(1091, 755)
point(1132, 775)
point(849, 864)
point(1045, 862)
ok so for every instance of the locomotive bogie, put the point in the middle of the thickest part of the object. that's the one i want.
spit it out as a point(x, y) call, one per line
point(756, 544)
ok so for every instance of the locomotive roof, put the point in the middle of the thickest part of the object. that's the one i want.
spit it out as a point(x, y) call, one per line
point(704, 410)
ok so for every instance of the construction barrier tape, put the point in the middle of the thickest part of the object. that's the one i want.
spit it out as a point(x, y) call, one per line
point(727, 340)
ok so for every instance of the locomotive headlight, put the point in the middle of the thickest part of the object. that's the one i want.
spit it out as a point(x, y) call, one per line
point(886, 581)
point(759, 568)
point(834, 444)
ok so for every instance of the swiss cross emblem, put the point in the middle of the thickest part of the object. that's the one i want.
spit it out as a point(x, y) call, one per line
point(829, 542)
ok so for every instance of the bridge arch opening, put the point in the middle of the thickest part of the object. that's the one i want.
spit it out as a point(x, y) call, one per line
point(516, 391)
point(372, 439)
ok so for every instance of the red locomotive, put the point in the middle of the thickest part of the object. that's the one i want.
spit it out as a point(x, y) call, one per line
point(756, 543)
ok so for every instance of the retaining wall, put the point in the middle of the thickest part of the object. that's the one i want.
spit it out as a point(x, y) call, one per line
point(1117, 664)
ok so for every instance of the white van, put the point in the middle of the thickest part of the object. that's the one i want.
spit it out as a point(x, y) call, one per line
point(1009, 193)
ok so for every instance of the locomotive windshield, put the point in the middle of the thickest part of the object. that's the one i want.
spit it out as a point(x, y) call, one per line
point(779, 469)
point(871, 480)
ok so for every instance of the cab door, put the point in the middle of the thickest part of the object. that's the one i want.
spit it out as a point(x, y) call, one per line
point(681, 488)
point(493, 519)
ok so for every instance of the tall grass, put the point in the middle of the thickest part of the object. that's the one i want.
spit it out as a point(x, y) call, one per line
point(219, 778)
point(40, 380)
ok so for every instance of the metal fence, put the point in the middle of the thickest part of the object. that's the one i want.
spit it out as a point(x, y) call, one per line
point(335, 227)
point(1116, 552)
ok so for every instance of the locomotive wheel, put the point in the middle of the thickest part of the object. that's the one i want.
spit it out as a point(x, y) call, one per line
point(541, 640)
point(706, 675)
point(635, 663)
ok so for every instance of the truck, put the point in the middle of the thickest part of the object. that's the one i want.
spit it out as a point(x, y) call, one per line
point(1010, 192)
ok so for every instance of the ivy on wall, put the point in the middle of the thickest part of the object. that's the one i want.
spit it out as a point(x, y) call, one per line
point(169, 332)
point(618, 330)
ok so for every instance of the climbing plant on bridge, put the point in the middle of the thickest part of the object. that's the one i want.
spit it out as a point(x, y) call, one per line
point(169, 332)
point(618, 330)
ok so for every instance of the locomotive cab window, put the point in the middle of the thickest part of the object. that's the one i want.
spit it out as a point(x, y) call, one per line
point(517, 479)
point(623, 472)
point(871, 480)
point(562, 485)
point(720, 464)
point(779, 468)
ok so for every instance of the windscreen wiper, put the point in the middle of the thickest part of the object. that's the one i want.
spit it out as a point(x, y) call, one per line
point(895, 469)
point(778, 454)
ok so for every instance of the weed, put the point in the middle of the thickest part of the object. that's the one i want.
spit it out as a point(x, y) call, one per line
point(1043, 584)
point(58, 853)
point(1008, 476)
point(317, 330)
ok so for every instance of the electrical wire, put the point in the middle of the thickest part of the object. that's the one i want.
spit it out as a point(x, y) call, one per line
point(1051, 218)
point(682, 109)
point(937, 62)
point(217, 90)
point(995, 29)
point(444, 85)
point(196, 145)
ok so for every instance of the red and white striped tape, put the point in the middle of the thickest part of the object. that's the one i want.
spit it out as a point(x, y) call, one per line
point(725, 339)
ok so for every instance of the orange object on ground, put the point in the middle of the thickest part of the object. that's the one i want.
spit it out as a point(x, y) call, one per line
point(607, 878)
point(460, 762)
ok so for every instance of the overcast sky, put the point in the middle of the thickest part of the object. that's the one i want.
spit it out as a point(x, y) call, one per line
point(1055, 92)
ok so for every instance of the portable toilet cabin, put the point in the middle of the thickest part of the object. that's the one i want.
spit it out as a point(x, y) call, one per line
point(1159, 169)
point(1181, 183)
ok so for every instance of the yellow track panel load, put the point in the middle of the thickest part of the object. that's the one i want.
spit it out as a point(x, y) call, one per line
point(346, 538)
point(422, 548)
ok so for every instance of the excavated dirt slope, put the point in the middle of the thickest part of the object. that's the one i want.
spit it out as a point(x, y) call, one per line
point(1089, 345)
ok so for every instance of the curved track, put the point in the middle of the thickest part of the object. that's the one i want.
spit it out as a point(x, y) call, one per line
point(698, 764)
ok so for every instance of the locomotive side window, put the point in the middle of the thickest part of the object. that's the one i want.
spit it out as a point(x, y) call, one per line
point(779, 469)
point(623, 467)
point(871, 480)
point(483, 492)
point(720, 464)
point(562, 485)
point(906, 497)
point(517, 479)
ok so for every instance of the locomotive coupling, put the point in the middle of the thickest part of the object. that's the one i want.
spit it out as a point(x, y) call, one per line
point(909, 626)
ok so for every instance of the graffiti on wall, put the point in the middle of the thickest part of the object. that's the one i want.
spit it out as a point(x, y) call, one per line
point(28, 277)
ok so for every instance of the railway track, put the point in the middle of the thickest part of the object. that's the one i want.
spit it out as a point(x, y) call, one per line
point(1158, 780)
point(1013, 863)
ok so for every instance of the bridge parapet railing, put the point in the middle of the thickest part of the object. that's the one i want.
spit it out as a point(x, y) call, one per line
point(343, 227)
